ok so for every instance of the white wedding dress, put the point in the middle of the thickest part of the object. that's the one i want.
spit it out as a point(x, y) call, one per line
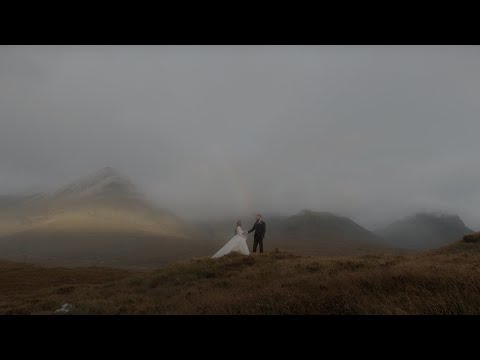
point(238, 244)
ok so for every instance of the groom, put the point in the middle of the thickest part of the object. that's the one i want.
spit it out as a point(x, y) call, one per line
point(260, 228)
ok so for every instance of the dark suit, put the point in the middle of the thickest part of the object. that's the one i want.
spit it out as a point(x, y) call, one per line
point(260, 229)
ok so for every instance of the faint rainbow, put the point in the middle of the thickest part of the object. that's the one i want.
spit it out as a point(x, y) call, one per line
point(238, 187)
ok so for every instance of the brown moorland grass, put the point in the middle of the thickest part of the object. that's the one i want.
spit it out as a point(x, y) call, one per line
point(445, 281)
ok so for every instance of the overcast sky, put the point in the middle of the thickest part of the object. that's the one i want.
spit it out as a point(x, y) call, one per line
point(371, 132)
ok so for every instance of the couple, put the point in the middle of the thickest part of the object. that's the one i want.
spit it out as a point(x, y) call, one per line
point(239, 244)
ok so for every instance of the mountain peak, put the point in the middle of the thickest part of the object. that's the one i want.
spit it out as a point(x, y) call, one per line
point(307, 212)
point(425, 230)
point(103, 182)
point(107, 171)
point(438, 217)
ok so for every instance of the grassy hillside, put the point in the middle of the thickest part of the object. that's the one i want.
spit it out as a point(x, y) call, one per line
point(446, 281)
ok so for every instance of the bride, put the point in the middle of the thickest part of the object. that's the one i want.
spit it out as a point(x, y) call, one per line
point(238, 243)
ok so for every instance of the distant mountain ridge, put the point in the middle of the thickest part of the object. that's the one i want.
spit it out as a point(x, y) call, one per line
point(425, 231)
point(98, 217)
point(316, 221)
point(322, 233)
point(104, 217)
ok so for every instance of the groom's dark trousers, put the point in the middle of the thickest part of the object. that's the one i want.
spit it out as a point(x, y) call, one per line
point(257, 241)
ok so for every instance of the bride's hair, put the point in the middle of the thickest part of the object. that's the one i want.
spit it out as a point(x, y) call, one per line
point(239, 223)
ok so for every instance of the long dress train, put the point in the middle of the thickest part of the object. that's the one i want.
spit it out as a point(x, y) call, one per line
point(237, 244)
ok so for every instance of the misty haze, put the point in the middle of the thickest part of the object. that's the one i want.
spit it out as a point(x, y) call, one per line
point(175, 171)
